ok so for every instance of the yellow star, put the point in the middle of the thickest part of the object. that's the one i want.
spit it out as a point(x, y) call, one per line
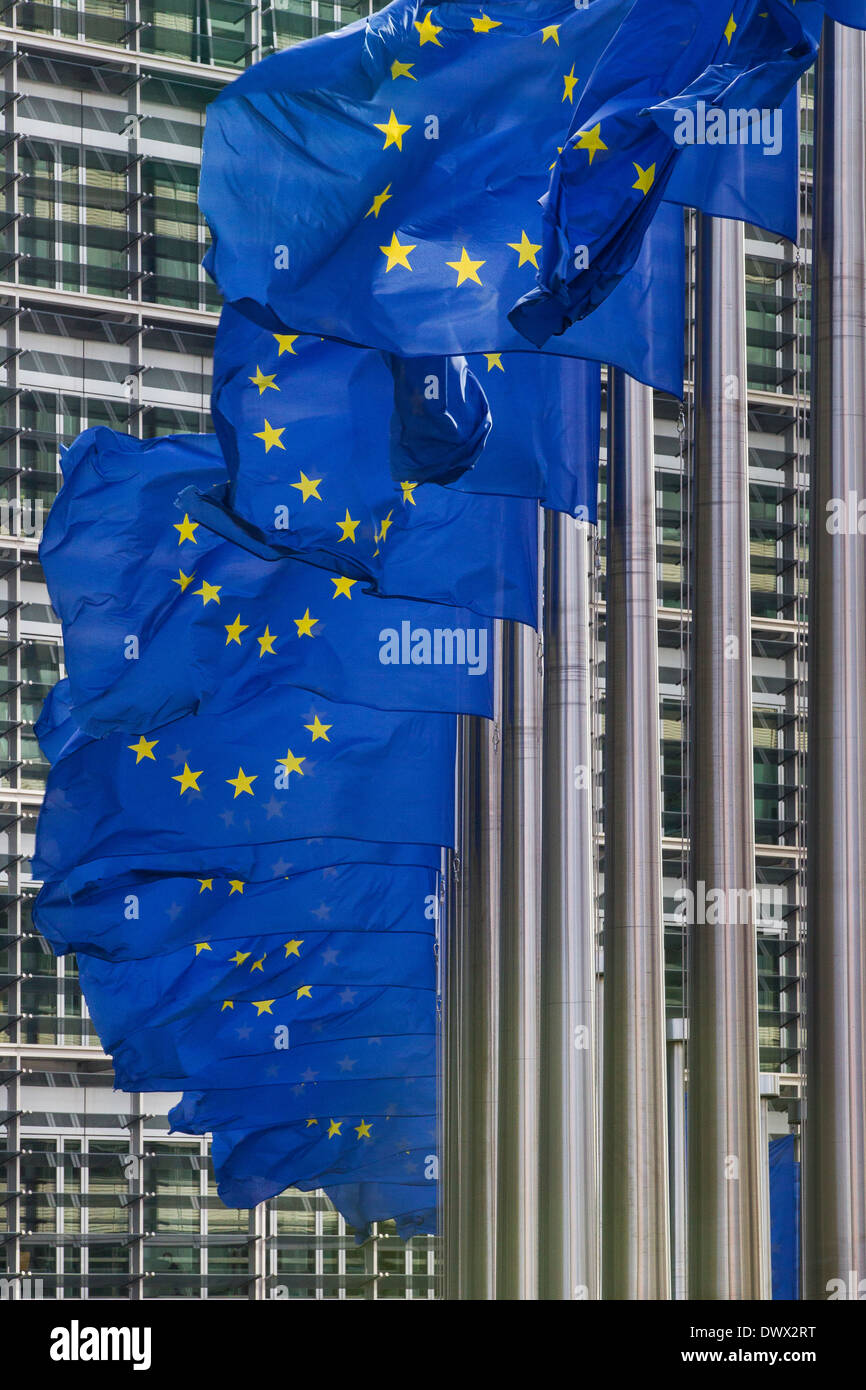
point(259, 964)
point(343, 587)
point(285, 342)
point(183, 580)
point(305, 992)
point(272, 438)
point(308, 487)
point(239, 957)
point(311, 1121)
point(363, 1130)
point(334, 1126)
point(730, 28)
point(293, 947)
point(143, 749)
point(242, 783)
point(570, 83)
point(393, 131)
point(348, 528)
point(202, 946)
point(263, 1006)
point(591, 141)
point(235, 629)
point(291, 763)
point(408, 491)
point(227, 1004)
point(263, 382)
point(206, 885)
point(318, 729)
point(210, 593)
point(236, 885)
point(378, 203)
point(266, 643)
point(494, 359)
point(397, 254)
point(187, 779)
point(485, 24)
point(428, 31)
point(186, 530)
point(526, 250)
point(305, 625)
point(399, 69)
point(550, 31)
point(645, 178)
point(466, 268)
point(385, 526)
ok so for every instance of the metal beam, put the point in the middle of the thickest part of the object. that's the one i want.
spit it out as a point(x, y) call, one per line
point(568, 1158)
point(635, 1225)
point(723, 1126)
point(834, 1215)
point(520, 914)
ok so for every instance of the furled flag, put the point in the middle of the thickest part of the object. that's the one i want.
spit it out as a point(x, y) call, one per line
point(672, 66)
point(151, 914)
point(381, 185)
point(135, 584)
point(285, 765)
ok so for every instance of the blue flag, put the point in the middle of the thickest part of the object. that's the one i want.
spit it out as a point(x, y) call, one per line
point(441, 418)
point(718, 62)
point(135, 585)
point(283, 766)
point(306, 455)
point(150, 914)
point(851, 12)
point(251, 1167)
point(381, 185)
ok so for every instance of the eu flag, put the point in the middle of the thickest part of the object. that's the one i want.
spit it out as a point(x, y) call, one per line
point(669, 61)
point(850, 12)
point(381, 185)
point(283, 766)
point(152, 914)
point(307, 459)
point(128, 577)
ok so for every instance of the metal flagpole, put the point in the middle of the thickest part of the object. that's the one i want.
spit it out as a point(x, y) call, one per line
point(677, 1034)
point(568, 1166)
point(471, 1017)
point(723, 1108)
point(834, 1214)
point(635, 1225)
point(520, 912)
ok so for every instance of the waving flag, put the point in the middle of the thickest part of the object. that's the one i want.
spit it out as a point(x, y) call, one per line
point(627, 135)
point(284, 766)
point(135, 585)
point(310, 479)
point(381, 185)
point(150, 914)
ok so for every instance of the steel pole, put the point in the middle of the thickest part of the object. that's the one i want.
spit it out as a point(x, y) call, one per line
point(569, 1169)
point(677, 1033)
point(723, 1116)
point(834, 1216)
point(635, 1224)
point(471, 1017)
point(520, 914)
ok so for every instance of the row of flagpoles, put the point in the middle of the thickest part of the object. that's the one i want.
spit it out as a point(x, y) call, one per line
point(527, 1188)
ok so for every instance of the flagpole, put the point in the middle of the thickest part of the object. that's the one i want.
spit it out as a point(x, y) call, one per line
point(520, 911)
point(677, 1033)
point(471, 1018)
point(834, 1209)
point(635, 1198)
point(568, 1163)
point(724, 1219)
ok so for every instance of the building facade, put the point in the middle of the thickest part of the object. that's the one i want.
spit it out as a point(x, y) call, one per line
point(107, 318)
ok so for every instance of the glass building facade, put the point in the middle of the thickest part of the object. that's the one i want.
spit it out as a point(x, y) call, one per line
point(107, 318)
